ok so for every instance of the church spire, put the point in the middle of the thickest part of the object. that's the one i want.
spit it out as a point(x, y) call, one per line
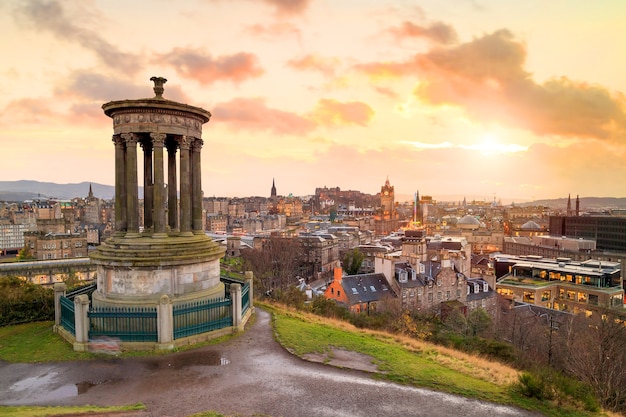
point(569, 204)
point(273, 192)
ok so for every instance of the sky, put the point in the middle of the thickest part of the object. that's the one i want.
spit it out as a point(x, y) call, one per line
point(512, 100)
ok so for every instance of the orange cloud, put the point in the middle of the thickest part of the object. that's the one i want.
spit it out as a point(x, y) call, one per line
point(333, 113)
point(437, 32)
point(315, 63)
point(253, 114)
point(487, 78)
point(202, 67)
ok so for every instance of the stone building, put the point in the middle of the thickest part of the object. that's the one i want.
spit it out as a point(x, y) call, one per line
point(47, 245)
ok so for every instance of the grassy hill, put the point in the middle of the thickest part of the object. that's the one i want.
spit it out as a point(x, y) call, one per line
point(395, 358)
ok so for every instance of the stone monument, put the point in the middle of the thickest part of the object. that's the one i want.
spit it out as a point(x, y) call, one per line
point(171, 255)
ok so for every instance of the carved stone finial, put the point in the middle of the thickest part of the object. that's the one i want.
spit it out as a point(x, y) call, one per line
point(158, 86)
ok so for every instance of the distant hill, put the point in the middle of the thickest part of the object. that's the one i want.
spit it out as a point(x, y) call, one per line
point(586, 203)
point(28, 190)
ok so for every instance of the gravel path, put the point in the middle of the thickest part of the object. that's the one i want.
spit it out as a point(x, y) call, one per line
point(250, 374)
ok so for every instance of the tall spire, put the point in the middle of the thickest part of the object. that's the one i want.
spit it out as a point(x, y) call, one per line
point(577, 205)
point(90, 192)
point(273, 192)
point(569, 204)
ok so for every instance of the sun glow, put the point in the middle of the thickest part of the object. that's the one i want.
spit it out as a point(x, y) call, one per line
point(489, 145)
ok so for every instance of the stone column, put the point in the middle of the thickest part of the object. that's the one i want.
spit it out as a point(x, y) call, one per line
point(148, 203)
point(250, 280)
point(132, 203)
point(172, 187)
point(81, 322)
point(165, 323)
point(185, 186)
point(158, 140)
point(196, 192)
point(59, 290)
point(120, 184)
point(235, 296)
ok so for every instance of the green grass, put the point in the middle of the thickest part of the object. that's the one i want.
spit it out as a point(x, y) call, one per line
point(31, 411)
point(421, 367)
point(396, 362)
point(35, 342)
point(417, 364)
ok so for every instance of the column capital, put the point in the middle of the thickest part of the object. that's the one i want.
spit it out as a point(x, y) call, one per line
point(119, 141)
point(130, 138)
point(184, 142)
point(158, 139)
point(196, 145)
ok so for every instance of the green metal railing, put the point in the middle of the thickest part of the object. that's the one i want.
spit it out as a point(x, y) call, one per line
point(245, 298)
point(68, 320)
point(85, 289)
point(201, 317)
point(128, 324)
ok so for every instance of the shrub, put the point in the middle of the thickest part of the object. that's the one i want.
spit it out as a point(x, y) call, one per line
point(23, 302)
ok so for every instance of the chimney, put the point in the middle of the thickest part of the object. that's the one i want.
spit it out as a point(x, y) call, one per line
point(338, 273)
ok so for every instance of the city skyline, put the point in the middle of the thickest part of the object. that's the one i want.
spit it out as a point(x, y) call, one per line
point(476, 98)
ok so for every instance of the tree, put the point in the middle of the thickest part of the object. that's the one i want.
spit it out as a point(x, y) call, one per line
point(352, 261)
point(25, 254)
point(596, 355)
point(277, 264)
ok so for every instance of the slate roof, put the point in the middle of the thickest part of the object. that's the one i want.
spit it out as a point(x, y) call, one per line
point(364, 288)
point(481, 293)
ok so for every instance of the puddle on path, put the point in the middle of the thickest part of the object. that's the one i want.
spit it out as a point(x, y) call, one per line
point(186, 359)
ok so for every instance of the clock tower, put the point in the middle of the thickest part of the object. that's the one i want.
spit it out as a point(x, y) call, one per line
point(387, 199)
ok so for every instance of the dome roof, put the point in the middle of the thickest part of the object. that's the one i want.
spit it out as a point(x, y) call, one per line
point(530, 225)
point(469, 220)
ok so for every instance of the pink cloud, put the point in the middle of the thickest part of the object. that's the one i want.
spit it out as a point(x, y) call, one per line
point(253, 114)
point(198, 65)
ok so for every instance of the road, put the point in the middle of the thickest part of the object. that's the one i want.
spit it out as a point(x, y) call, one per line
point(247, 375)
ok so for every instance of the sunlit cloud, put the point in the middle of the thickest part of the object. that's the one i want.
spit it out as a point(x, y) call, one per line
point(199, 65)
point(487, 78)
point(332, 112)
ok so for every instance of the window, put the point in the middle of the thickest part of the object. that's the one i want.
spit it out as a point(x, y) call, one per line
point(582, 297)
point(546, 295)
point(447, 295)
point(372, 288)
point(529, 297)
point(354, 291)
point(338, 293)
point(430, 297)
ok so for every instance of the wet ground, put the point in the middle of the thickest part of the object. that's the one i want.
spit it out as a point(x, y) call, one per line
point(250, 374)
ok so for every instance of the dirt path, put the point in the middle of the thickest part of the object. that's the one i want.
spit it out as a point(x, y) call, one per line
point(250, 374)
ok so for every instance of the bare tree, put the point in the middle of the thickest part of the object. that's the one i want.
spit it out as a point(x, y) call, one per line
point(277, 264)
point(596, 355)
